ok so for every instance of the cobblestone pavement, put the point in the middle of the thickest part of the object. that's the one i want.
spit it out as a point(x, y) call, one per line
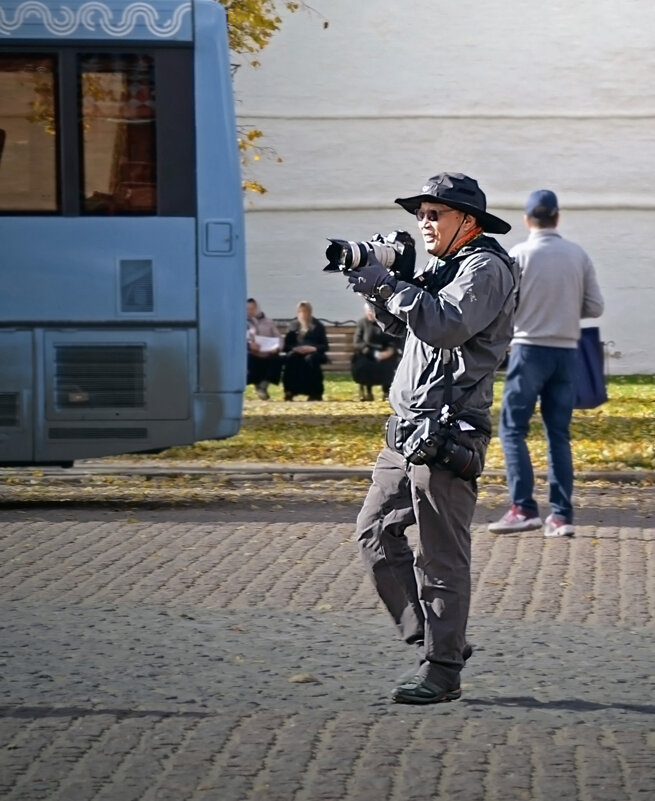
point(233, 651)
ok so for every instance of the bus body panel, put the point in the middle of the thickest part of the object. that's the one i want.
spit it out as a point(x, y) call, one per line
point(125, 331)
point(99, 270)
point(90, 20)
point(111, 390)
point(221, 271)
point(16, 387)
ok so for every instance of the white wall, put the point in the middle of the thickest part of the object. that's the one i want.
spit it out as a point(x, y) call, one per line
point(520, 96)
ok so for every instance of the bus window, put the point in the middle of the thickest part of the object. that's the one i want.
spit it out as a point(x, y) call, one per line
point(28, 169)
point(118, 134)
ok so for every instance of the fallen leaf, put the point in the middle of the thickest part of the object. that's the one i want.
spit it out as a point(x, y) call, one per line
point(303, 678)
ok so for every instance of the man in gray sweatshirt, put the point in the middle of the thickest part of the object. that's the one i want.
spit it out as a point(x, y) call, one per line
point(558, 287)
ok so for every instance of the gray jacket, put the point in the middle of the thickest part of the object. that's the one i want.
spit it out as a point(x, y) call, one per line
point(465, 306)
point(558, 287)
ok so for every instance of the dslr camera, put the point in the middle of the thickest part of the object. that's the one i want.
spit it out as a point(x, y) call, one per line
point(396, 251)
point(434, 442)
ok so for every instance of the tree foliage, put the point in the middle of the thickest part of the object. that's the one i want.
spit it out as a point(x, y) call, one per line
point(619, 435)
point(252, 23)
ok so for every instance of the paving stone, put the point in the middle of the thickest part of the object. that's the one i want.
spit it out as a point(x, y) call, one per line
point(152, 653)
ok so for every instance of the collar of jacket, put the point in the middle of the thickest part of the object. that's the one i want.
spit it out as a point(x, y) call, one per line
point(438, 272)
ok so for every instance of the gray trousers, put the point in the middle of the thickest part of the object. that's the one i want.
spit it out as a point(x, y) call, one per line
point(427, 594)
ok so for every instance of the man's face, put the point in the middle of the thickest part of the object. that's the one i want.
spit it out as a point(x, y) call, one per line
point(251, 308)
point(438, 233)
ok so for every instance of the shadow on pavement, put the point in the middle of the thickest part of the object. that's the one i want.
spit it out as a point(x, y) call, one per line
point(570, 704)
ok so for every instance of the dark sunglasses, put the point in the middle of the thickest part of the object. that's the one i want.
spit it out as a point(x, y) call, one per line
point(432, 215)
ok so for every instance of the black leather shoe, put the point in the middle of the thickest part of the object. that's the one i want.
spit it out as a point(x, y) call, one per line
point(422, 691)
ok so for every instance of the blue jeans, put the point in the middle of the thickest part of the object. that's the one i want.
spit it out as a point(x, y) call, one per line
point(537, 372)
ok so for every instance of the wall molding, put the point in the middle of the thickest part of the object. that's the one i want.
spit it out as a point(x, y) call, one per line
point(453, 115)
point(499, 203)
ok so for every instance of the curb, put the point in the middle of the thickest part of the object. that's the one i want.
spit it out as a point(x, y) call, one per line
point(264, 471)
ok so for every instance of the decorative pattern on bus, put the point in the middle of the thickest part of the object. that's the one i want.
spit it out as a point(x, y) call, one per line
point(92, 15)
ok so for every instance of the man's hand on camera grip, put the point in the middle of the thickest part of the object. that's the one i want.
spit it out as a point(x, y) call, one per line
point(368, 279)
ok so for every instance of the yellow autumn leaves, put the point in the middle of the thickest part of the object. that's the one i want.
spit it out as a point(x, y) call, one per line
point(344, 431)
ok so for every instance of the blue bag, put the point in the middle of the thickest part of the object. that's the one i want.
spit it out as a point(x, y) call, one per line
point(589, 374)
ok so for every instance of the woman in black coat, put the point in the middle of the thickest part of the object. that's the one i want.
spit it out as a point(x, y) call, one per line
point(306, 346)
point(375, 357)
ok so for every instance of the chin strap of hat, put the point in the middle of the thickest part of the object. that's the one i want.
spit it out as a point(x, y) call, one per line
point(474, 233)
point(454, 237)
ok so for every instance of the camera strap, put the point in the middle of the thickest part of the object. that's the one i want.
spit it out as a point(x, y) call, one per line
point(447, 359)
point(450, 410)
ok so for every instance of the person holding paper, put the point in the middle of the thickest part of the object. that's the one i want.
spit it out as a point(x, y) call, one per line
point(264, 343)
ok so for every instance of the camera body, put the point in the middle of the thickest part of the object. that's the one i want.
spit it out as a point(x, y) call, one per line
point(396, 251)
point(434, 442)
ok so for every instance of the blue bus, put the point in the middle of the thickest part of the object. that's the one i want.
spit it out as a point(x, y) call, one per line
point(122, 322)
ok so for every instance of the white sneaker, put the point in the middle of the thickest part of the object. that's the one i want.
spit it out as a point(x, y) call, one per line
point(515, 520)
point(558, 527)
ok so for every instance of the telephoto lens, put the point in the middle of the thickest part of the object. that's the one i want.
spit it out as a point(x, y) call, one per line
point(345, 256)
point(395, 251)
point(463, 461)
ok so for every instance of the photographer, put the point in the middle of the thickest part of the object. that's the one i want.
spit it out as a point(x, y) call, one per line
point(456, 316)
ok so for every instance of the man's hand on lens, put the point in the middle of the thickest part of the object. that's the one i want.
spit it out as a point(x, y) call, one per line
point(368, 279)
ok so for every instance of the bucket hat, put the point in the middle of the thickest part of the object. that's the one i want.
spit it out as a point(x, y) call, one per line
point(459, 192)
